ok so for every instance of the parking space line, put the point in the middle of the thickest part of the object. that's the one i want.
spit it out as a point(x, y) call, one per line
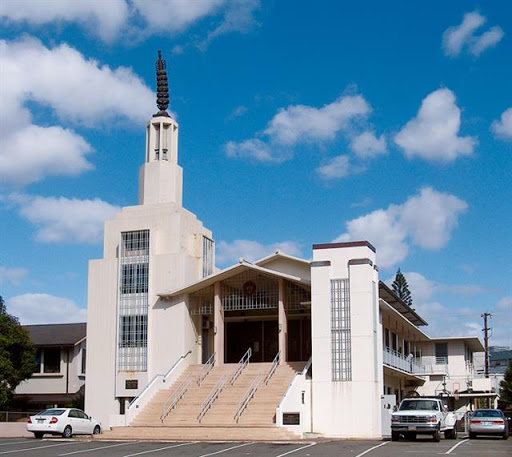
point(455, 446)
point(295, 450)
point(160, 449)
point(371, 449)
point(97, 448)
point(15, 442)
point(38, 447)
point(225, 450)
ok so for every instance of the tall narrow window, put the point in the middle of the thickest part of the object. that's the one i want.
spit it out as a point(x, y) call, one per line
point(341, 357)
point(441, 353)
point(133, 301)
point(207, 256)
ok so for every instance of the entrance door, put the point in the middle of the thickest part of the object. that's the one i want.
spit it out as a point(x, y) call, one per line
point(260, 336)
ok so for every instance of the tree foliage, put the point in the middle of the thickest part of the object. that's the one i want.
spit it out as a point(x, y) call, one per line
point(16, 355)
point(401, 288)
point(506, 388)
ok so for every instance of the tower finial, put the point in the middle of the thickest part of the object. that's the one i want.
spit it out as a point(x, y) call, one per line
point(162, 86)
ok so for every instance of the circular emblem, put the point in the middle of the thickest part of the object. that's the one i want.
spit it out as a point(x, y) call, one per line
point(249, 288)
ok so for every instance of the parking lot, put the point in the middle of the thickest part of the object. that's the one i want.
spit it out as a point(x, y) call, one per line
point(484, 447)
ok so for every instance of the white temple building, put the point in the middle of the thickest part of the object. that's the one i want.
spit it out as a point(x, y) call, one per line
point(284, 344)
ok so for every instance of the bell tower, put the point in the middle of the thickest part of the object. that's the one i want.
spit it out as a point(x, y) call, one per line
point(160, 177)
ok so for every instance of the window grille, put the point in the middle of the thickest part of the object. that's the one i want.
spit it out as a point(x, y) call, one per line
point(296, 297)
point(201, 302)
point(133, 301)
point(207, 256)
point(340, 331)
point(248, 291)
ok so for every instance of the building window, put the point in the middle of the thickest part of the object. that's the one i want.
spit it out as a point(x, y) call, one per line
point(441, 353)
point(51, 360)
point(84, 358)
point(207, 256)
point(133, 301)
point(134, 278)
point(340, 331)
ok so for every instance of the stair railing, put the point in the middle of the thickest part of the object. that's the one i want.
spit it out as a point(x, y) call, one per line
point(213, 395)
point(249, 394)
point(206, 369)
point(273, 368)
point(244, 361)
point(175, 397)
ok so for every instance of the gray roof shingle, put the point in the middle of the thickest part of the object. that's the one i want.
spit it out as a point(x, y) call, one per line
point(56, 334)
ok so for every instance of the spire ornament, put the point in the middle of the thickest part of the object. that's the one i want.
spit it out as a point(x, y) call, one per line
point(162, 87)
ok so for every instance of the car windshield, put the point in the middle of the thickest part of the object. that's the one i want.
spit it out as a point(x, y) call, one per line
point(487, 413)
point(52, 412)
point(426, 405)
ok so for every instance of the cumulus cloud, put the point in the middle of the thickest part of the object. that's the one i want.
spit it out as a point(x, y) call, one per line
point(301, 124)
point(12, 275)
point(44, 309)
point(104, 18)
point(367, 145)
point(65, 220)
point(338, 167)
point(503, 127)
point(433, 134)
point(76, 90)
point(426, 220)
point(115, 19)
point(457, 38)
point(228, 253)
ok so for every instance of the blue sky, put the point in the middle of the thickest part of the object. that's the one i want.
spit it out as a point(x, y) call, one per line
point(300, 123)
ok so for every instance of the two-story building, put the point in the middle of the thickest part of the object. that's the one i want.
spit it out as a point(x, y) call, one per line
point(59, 377)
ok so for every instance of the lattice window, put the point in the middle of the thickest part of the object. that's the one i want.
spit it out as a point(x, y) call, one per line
point(207, 256)
point(340, 331)
point(249, 290)
point(133, 301)
point(296, 297)
point(201, 302)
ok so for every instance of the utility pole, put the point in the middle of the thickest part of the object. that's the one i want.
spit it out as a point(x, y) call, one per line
point(486, 343)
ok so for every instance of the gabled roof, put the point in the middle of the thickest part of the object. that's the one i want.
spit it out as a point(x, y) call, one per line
point(243, 265)
point(280, 254)
point(57, 334)
point(403, 308)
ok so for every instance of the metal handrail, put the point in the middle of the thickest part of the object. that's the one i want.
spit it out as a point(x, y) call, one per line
point(175, 397)
point(206, 369)
point(157, 376)
point(213, 395)
point(244, 361)
point(249, 394)
point(307, 366)
point(273, 368)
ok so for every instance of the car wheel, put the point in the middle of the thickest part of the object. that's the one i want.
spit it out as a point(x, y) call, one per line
point(97, 430)
point(68, 432)
point(437, 436)
point(38, 435)
point(505, 435)
point(472, 435)
point(451, 434)
point(394, 436)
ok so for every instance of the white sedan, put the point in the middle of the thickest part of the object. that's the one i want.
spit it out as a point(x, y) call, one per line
point(63, 421)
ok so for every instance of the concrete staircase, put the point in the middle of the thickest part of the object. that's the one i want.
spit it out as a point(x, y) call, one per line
point(256, 423)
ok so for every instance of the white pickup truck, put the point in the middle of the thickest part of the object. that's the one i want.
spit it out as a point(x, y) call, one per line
point(423, 416)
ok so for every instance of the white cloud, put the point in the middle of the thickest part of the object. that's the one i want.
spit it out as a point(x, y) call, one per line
point(237, 112)
point(44, 309)
point(102, 17)
point(505, 304)
point(77, 91)
point(301, 124)
point(114, 20)
point(503, 127)
point(433, 134)
point(426, 220)
point(338, 167)
point(12, 275)
point(305, 123)
point(456, 38)
point(367, 145)
point(228, 253)
point(65, 220)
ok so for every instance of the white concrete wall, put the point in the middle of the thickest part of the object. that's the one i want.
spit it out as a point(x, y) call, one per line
point(337, 405)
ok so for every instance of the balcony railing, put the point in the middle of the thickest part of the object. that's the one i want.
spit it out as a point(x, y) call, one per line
point(401, 362)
